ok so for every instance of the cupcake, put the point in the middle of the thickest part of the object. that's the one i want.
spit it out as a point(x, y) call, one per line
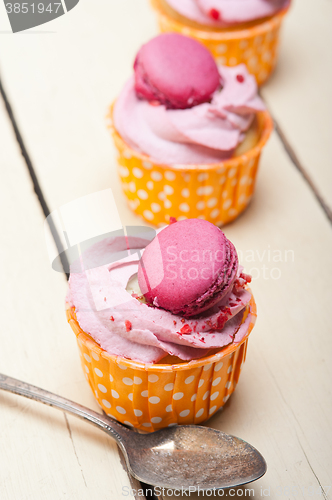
point(162, 338)
point(189, 133)
point(235, 32)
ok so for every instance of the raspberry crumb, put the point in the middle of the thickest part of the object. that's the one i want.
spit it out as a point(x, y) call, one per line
point(174, 321)
point(172, 220)
point(246, 277)
point(215, 14)
point(111, 318)
point(104, 299)
point(240, 78)
point(183, 320)
point(186, 329)
point(128, 325)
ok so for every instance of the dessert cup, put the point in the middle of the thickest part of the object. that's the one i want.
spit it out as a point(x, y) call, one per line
point(216, 192)
point(255, 44)
point(152, 396)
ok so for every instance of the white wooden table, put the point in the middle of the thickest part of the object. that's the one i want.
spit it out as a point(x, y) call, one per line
point(59, 80)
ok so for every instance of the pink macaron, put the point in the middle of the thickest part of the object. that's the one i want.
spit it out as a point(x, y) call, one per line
point(188, 267)
point(176, 71)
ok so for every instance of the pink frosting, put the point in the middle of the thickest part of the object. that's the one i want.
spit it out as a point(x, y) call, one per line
point(223, 13)
point(206, 133)
point(126, 327)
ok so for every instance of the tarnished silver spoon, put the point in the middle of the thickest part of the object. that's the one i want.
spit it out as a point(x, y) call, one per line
point(175, 457)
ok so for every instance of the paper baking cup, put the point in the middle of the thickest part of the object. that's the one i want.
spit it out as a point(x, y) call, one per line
point(216, 192)
point(153, 396)
point(255, 46)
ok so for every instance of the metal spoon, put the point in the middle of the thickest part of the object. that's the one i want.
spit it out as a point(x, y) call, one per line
point(175, 457)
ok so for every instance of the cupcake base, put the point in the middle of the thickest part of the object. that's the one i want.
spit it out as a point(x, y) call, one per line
point(255, 44)
point(150, 397)
point(216, 192)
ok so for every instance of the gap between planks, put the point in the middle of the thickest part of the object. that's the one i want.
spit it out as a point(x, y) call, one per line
point(46, 211)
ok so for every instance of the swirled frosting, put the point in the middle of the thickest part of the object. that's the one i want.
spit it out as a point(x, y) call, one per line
point(205, 133)
point(223, 13)
point(127, 327)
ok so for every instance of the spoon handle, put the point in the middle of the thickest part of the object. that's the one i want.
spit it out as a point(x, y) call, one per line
point(115, 430)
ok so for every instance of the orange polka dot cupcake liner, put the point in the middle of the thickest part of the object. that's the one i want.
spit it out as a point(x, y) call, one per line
point(153, 396)
point(256, 46)
point(216, 192)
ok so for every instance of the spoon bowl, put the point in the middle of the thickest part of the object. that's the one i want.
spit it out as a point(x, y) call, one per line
point(187, 456)
point(194, 456)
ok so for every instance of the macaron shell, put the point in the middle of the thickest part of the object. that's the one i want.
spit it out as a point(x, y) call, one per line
point(176, 71)
point(199, 267)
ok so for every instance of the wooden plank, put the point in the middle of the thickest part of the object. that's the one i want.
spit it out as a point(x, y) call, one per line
point(66, 80)
point(44, 454)
point(299, 92)
point(281, 405)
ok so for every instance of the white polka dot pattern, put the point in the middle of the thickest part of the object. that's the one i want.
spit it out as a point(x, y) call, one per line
point(184, 207)
point(169, 387)
point(217, 195)
point(154, 400)
point(151, 398)
point(143, 195)
point(156, 176)
point(254, 41)
point(138, 173)
point(156, 420)
point(216, 381)
point(189, 379)
point(127, 381)
point(206, 395)
point(212, 410)
point(169, 175)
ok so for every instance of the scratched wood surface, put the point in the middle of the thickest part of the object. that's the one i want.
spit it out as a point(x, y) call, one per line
point(43, 453)
point(60, 83)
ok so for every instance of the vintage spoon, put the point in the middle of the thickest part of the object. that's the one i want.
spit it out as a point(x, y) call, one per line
point(175, 457)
